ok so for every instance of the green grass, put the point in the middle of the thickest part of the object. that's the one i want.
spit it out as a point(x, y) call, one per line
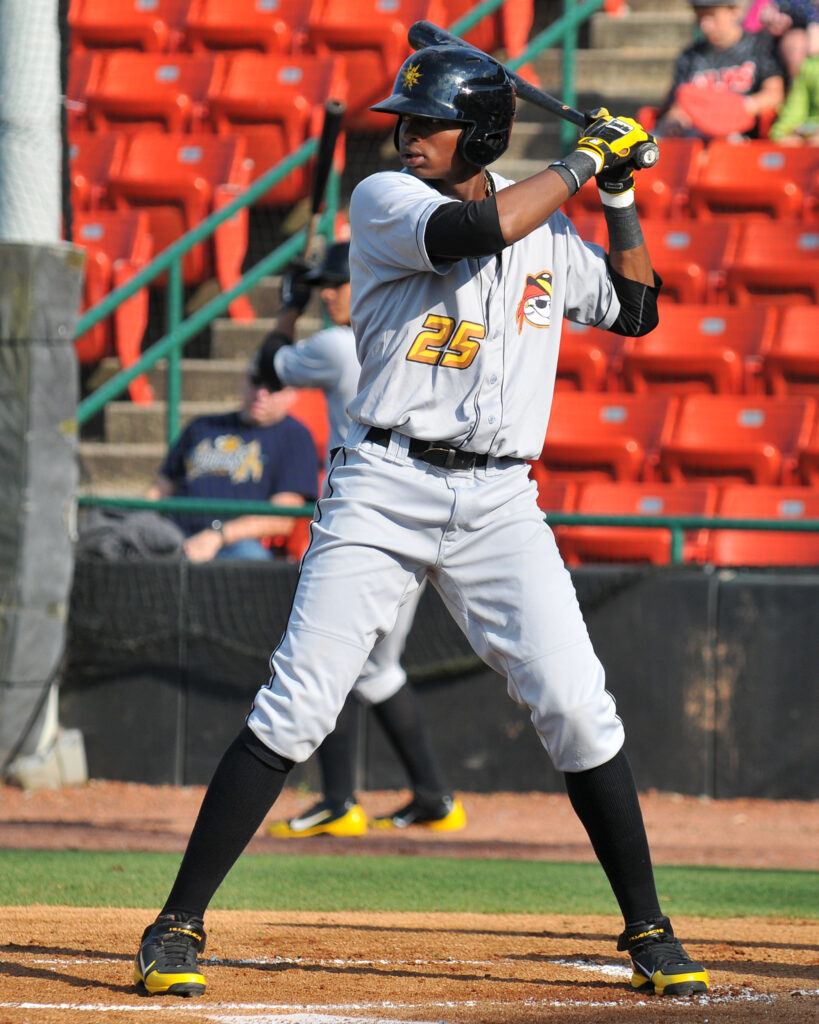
point(332, 883)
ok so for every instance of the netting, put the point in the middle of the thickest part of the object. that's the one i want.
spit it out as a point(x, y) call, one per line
point(30, 137)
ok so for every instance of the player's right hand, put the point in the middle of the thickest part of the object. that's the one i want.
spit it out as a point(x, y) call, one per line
point(296, 288)
point(611, 141)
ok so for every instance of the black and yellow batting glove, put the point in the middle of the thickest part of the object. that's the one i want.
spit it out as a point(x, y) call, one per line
point(611, 141)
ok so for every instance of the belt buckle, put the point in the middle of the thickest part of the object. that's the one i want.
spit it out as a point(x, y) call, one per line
point(444, 456)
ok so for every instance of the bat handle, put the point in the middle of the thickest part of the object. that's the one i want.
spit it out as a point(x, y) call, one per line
point(646, 154)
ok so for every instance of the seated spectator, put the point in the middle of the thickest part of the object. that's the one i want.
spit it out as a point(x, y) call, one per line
point(258, 453)
point(795, 24)
point(723, 83)
point(798, 121)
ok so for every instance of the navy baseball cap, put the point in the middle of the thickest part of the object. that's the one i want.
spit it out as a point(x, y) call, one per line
point(334, 268)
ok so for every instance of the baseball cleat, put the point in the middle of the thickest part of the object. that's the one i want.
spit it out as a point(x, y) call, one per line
point(448, 816)
point(658, 958)
point(323, 819)
point(166, 961)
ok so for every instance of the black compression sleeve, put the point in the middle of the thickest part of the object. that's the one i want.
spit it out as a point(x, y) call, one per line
point(638, 305)
point(457, 231)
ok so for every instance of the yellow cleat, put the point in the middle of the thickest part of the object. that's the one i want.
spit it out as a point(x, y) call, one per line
point(659, 959)
point(322, 819)
point(166, 961)
point(449, 817)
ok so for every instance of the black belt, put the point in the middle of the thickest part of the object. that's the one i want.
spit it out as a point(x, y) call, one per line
point(436, 453)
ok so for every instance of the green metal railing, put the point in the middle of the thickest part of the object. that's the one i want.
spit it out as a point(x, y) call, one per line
point(179, 331)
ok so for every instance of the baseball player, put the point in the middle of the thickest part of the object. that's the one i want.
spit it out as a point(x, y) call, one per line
point(328, 360)
point(459, 282)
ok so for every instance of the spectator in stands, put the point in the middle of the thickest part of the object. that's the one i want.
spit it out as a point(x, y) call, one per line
point(798, 120)
point(723, 83)
point(257, 453)
point(795, 23)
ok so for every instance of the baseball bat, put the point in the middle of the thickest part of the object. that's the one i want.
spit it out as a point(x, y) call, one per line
point(425, 33)
point(330, 128)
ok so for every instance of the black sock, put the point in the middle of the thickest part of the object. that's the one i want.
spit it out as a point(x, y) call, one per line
point(244, 787)
point(337, 756)
point(403, 721)
point(605, 799)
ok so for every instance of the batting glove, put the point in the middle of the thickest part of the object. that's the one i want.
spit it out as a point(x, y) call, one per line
point(610, 141)
point(296, 288)
point(617, 185)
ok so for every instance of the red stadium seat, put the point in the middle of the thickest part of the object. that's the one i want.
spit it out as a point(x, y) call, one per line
point(808, 458)
point(737, 438)
point(117, 244)
point(754, 176)
point(93, 157)
point(606, 436)
point(84, 69)
point(486, 34)
point(588, 359)
point(791, 366)
point(636, 543)
point(766, 547)
point(701, 348)
point(276, 103)
point(135, 24)
point(372, 37)
point(552, 495)
point(271, 26)
point(310, 408)
point(661, 191)
point(775, 261)
point(691, 256)
point(180, 179)
point(168, 91)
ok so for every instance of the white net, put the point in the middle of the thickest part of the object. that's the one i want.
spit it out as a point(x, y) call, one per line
point(30, 140)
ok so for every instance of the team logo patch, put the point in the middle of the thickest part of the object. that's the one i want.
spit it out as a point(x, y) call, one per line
point(535, 307)
point(410, 77)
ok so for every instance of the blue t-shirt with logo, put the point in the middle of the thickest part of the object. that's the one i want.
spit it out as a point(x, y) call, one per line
point(221, 456)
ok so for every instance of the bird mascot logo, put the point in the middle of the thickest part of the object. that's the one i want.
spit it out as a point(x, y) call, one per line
point(536, 305)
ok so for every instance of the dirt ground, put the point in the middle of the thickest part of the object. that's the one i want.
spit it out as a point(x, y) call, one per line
point(60, 965)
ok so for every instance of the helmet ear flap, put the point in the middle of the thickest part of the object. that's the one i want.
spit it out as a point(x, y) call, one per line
point(395, 131)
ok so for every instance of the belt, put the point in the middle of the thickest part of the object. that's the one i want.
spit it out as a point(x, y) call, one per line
point(436, 453)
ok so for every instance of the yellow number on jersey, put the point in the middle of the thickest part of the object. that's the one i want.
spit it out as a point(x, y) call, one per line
point(442, 344)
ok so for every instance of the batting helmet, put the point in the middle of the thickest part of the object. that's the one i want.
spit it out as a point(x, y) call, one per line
point(457, 83)
point(335, 268)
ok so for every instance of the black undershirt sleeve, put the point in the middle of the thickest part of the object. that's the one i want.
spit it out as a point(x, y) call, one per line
point(457, 231)
point(638, 305)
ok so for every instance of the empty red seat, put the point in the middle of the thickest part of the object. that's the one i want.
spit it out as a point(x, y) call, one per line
point(372, 37)
point(808, 458)
point(737, 438)
point(137, 24)
point(606, 436)
point(84, 69)
point(93, 157)
point(691, 256)
point(754, 176)
point(701, 348)
point(271, 26)
point(117, 245)
point(552, 495)
point(775, 261)
point(791, 366)
point(180, 179)
point(637, 543)
point(168, 91)
point(276, 102)
point(310, 408)
point(588, 359)
point(766, 547)
point(662, 190)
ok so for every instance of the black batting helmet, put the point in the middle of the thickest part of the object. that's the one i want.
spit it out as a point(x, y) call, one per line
point(457, 83)
point(334, 268)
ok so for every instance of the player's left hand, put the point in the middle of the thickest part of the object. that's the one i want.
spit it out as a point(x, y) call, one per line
point(617, 181)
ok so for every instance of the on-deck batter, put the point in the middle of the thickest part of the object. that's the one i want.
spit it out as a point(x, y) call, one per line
point(460, 280)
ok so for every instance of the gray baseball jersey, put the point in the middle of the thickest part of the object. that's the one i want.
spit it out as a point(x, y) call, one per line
point(429, 367)
point(326, 360)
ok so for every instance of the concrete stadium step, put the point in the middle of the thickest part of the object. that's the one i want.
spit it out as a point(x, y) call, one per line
point(203, 380)
point(118, 469)
point(652, 29)
point(628, 70)
point(126, 423)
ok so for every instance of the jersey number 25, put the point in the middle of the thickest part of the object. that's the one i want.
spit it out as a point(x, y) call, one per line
point(444, 343)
